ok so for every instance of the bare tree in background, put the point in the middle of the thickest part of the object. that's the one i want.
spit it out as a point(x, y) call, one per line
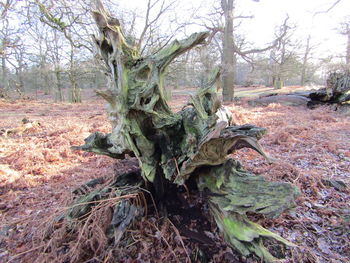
point(19, 55)
point(345, 30)
point(9, 38)
point(282, 56)
point(308, 68)
point(228, 60)
point(154, 11)
point(72, 19)
point(233, 48)
point(39, 33)
point(305, 61)
point(55, 52)
point(69, 19)
point(5, 7)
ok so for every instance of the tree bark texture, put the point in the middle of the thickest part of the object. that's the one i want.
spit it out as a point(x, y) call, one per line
point(172, 147)
point(228, 60)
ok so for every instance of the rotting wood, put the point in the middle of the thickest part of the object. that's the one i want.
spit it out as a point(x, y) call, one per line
point(174, 147)
point(336, 91)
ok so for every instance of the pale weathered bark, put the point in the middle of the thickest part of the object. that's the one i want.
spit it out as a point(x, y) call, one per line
point(173, 148)
point(228, 61)
point(345, 30)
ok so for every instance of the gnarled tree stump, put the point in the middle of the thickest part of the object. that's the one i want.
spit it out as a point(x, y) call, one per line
point(175, 147)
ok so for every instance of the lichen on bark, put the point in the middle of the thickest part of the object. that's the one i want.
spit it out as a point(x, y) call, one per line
point(172, 147)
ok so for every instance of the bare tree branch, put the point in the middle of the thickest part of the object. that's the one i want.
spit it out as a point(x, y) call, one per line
point(5, 7)
point(148, 21)
point(329, 9)
point(57, 23)
point(283, 33)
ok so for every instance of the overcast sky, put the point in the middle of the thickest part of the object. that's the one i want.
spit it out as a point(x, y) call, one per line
point(322, 27)
point(270, 13)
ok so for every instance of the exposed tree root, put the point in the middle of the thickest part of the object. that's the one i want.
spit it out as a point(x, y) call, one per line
point(184, 150)
point(96, 221)
point(103, 217)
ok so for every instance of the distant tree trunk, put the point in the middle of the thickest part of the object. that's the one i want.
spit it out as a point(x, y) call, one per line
point(20, 84)
point(281, 55)
point(305, 60)
point(75, 91)
point(278, 82)
point(271, 66)
point(5, 32)
point(19, 75)
point(4, 73)
point(205, 61)
point(75, 95)
point(57, 70)
point(348, 50)
point(279, 79)
point(228, 61)
point(345, 30)
point(95, 84)
point(59, 92)
point(187, 73)
point(44, 82)
point(21, 80)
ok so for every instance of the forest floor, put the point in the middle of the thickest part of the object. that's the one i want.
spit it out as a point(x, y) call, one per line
point(38, 172)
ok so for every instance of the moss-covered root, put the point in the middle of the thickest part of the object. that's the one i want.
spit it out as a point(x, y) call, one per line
point(233, 193)
point(244, 235)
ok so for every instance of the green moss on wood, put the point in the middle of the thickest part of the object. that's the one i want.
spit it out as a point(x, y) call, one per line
point(196, 141)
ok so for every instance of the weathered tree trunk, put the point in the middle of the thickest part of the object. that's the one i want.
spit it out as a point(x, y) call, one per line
point(59, 92)
point(228, 61)
point(278, 82)
point(347, 33)
point(305, 61)
point(205, 60)
point(44, 82)
point(21, 81)
point(75, 94)
point(4, 75)
point(175, 148)
point(57, 68)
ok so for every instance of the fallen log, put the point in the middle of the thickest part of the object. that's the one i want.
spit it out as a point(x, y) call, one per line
point(336, 91)
point(286, 100)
